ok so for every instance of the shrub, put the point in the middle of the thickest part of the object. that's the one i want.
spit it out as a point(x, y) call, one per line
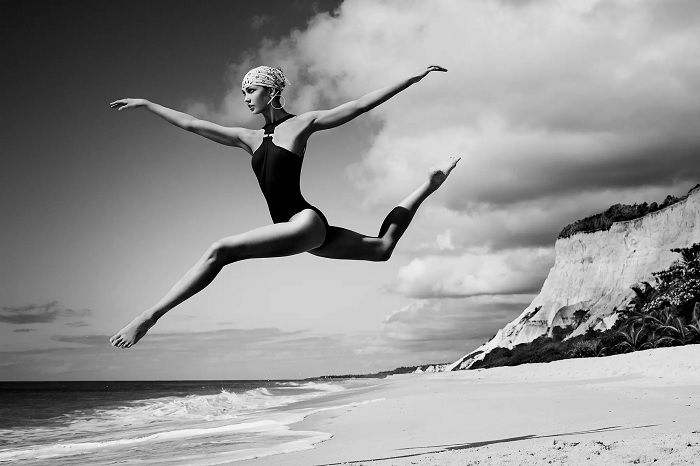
point(583, 349)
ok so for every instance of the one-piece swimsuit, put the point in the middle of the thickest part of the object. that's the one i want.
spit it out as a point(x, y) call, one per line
point(278, 171)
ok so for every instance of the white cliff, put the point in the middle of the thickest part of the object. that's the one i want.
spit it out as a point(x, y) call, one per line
point(594, 272)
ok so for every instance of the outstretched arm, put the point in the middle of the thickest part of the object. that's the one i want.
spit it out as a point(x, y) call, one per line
point(326, 119)
point(221, 134)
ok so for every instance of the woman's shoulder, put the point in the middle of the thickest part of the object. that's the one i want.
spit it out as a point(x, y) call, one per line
point(306, 116)
point(302, 122)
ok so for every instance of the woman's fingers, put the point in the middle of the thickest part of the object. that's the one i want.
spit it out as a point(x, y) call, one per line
point(436, 68)
point(121, 104)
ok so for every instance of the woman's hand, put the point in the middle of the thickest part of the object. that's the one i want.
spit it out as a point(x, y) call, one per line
point(428, 70)
point(125, 104)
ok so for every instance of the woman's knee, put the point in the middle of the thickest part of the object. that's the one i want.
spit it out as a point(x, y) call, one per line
point(383, 251)
point(220, 253)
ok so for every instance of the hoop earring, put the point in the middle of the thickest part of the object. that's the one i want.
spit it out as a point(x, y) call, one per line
point(283, 104)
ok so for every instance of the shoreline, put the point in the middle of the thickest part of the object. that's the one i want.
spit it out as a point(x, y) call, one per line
point(636, 406)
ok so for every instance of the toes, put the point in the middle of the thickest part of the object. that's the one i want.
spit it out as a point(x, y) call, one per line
point(453, 164)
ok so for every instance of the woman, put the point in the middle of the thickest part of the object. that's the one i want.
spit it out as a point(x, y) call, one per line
point(277, 153)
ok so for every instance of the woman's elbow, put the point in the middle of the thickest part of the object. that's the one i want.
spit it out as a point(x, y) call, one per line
point(361, 106)
point(193, 125)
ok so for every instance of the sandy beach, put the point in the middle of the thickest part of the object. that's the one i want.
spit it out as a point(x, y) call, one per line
point(637, 408)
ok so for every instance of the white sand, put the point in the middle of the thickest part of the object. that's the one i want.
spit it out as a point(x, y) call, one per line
point(637, 408)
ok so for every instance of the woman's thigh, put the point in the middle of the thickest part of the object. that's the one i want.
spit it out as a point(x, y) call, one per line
point(304, 231)
point(342, 243)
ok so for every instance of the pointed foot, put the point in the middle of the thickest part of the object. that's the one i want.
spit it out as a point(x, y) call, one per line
point(133, 332)
point(440, 174)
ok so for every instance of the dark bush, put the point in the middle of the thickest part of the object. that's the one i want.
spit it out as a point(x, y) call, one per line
point(617, 213)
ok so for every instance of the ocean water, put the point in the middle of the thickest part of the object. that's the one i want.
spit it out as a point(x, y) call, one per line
point(168, 422)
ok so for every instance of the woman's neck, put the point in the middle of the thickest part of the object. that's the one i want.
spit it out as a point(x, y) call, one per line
point(272, 114)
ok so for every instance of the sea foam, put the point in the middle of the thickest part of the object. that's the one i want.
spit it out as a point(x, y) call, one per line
point(167, 423)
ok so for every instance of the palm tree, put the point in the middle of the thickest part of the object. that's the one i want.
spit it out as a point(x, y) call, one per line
point(693, 327)
point(633, 339)
point(644, 294)
point(688, 254)
point(677, 331)
point(601, 349)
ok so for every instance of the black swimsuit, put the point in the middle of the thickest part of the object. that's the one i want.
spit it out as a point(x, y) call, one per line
point(278, 171)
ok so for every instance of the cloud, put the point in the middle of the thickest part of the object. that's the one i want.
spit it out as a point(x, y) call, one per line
point(559, 109)
point(528, 224)
point(257, 353)
point(439, 324)
point(88, 340)
point(258, 21)
point(474, 273)
point(255, 336)
point(542, 98)
point(77, 324)
point(570, 86)
point(33, 313)
point(441, 330)
point(24, 330)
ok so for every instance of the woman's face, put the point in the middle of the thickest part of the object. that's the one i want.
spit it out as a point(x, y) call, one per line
point(257, 98)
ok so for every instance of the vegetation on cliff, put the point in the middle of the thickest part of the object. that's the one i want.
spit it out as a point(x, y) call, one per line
point(666, 313)
point(618, 213)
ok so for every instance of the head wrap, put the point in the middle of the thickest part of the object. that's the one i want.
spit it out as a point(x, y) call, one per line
point(265, 76)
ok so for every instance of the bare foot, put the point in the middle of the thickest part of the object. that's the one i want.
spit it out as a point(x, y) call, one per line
point(133, 332)
point(439, 175)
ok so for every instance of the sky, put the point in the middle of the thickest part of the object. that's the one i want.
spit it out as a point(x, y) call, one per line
point(559, 109)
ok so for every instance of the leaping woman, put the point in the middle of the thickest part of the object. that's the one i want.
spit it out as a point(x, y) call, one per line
point(277, 152)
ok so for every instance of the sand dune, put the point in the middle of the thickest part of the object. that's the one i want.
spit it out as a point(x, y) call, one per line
point(637, 408)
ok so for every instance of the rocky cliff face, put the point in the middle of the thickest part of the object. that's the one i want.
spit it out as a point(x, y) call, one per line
point(594, 272)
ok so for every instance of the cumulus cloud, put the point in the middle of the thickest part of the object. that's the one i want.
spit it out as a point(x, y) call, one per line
point(568, 85)
point(476, 273)
point(559, 109)
point(234, 353)
point(38, 313)
point(455, 319)
point(542, 97)
point(439, 330)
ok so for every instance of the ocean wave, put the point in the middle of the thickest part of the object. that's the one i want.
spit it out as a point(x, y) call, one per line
point(160, 419)
point(222, 406)
point(277, 424)
point(65, 449)
point(320, 386)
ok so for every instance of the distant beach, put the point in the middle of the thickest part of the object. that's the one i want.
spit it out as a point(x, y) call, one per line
point(636, 408)
point(640, 408)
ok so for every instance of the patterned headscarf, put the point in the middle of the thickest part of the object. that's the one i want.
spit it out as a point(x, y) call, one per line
point(265, 76)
